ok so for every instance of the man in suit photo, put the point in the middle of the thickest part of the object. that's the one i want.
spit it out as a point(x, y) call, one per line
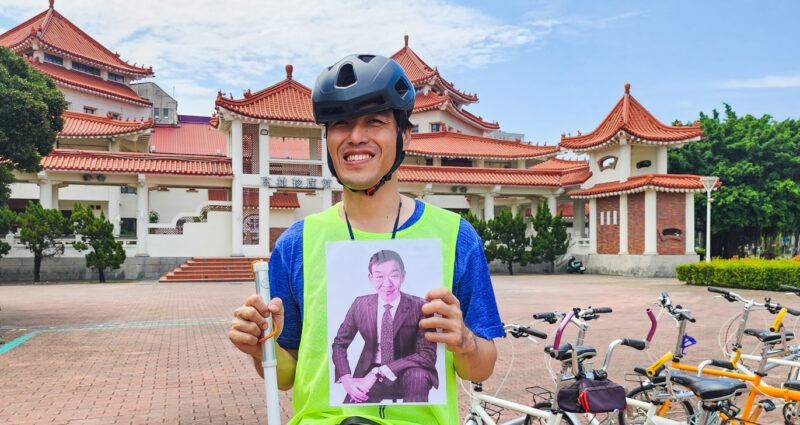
point(397, 361)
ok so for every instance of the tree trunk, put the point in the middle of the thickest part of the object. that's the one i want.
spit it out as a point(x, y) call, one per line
point(37, 265)
point(553, 266)
point(510, 268)
point(102, 276)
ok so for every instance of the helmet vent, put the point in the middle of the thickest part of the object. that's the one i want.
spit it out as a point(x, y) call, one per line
point(346, 77)
point(366, 58)
point(401, 87)
point(373, 101)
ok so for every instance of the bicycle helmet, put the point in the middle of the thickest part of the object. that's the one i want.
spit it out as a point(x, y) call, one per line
point(359, 85)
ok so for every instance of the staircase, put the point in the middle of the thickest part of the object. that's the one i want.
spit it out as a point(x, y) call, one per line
point(226, 269)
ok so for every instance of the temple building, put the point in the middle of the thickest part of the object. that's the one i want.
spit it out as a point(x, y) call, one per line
point(207, 193)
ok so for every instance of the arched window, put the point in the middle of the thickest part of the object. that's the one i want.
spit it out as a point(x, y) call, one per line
point(607, 162)
point(644, 164)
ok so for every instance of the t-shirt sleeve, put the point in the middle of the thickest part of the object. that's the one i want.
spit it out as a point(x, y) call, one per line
point(284, 283)
point(472, 285)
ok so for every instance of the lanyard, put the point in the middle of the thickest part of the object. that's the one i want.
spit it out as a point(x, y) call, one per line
point(394, 230)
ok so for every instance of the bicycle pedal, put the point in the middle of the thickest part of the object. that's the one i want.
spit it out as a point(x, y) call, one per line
point(768, 405)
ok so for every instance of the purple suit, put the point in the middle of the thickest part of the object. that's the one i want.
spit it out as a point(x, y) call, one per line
point(411, 350)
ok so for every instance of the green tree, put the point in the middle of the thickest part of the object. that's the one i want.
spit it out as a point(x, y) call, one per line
point(480, 226)
point(758, 163)
point(7, 219)
point(97, 233)
point(508, 242)
point(39, 230)
point(551, 239)
point(30, 117)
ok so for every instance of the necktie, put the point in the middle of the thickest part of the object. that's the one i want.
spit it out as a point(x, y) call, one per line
point(387, 336)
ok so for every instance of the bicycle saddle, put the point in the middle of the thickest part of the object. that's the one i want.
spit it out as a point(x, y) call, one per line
point(565, 351)
point(792, 385)
point(768, 337)
point(708, 389)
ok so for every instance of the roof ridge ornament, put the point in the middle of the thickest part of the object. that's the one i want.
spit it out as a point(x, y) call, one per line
point(51, 4)
point(405, 37)
point(627, 88)
point(289, 70)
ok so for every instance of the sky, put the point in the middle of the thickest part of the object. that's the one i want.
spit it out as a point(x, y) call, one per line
point(541, 68)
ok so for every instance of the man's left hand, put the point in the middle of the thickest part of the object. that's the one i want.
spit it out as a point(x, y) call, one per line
point(454, 332)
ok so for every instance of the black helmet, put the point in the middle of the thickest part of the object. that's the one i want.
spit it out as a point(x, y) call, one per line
point(363, 84)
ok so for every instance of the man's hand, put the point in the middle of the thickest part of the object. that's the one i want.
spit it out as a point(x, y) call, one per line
point(249, 321)
point(358, 388)
point(455, 334)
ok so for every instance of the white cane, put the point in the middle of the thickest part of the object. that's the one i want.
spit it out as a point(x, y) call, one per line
point(268, 362)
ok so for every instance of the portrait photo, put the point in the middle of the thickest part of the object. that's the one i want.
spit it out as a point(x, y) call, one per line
point(378, 353)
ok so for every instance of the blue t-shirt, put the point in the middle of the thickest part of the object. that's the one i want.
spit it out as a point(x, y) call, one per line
point(471, 283)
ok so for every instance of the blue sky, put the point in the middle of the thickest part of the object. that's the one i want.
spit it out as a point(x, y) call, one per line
point(539, 68)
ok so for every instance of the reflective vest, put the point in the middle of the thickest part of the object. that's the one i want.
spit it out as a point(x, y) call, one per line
point(311, 392)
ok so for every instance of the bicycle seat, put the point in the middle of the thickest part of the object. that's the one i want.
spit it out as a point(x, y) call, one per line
point(708, 389)
point(768, 337)
point(565, 351)
point(792, 385)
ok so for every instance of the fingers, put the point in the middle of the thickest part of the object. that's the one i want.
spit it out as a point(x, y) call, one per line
point(440, 307)
point(443, 294)
point(249, 321)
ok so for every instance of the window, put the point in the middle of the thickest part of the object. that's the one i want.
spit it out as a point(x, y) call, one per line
point(86, 68)
point(607, 162)
point(155, 112)
point(89, 110)
point(127, 226)
point(115, 116)
point(436, 126)
point(116, 77)
point(165, 112)
point(415, 129)
point(53, 59)
point(671, 232)
point(126, 189)
point(643, 164)
point(614, 216)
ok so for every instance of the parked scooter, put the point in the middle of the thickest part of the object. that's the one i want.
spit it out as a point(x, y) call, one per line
point(575, 266)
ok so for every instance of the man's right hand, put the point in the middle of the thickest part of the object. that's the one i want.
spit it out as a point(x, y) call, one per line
point(249, 321)
point(358, 388)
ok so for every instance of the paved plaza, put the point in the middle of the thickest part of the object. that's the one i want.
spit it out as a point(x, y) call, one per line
point(145, 352)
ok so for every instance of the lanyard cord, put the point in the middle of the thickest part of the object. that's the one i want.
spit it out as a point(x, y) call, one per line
point(394, 230)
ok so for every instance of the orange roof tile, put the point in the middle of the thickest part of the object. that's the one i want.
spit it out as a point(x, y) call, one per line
point(658, 182)
point(52, 30)
point(420, 73)
point(136, 163)
point(284, 200)
point(189, 139)
point(458, 145)
point(629, 116)
point(558, 164)
point(85, 82)
point(285, 101)
point(484, 176)
point(78, 125)
point(424, 102)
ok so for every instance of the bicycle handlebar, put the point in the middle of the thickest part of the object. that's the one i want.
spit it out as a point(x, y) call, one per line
point(793, 289)
point(653, 325)
point(634, 343)
point(601, 310)
point(564, 322)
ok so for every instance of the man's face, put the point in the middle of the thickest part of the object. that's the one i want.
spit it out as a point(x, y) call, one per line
point(363, 149)
point(387, 278)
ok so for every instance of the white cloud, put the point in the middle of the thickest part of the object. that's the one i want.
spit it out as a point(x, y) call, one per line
point(768, 82)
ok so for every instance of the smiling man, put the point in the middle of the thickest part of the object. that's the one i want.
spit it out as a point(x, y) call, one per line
point(365, 101)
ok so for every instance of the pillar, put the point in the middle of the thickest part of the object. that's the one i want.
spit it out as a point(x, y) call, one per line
point(46, 194)
point(579, 218)
point(623, 224)
point(236, 189)
point(479, 163)
point(624, 165)
point(142, 216)
point(521, 164)
point(474, 206)
point(437, 161)
point(552, 205)
point(593, 226)
point(263, 219)
point(689, 231)
point(113, 207)
point(650, 223)
point(54, 195)
point(661, 162)
point(514, 209)
point(488, 206)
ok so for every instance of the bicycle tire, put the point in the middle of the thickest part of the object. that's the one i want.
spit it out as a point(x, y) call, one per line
point(644, 393)
point(546, 405)
point(790, 413)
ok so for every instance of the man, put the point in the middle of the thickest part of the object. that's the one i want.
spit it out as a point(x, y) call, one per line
point(397, 361)
point(364, 101)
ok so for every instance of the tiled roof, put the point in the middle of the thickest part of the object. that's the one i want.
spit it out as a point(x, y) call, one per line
point(284, 200)
point(629, 116)
point(483, 176)
point(558, 164)
point(85, 82)
point(54, 31)
point(136, 163)
point(459, 145)
point(424, 102)
point(420, 73)
point(79, 125)
point(188, 138)
point(658, 182)
point(285, 101)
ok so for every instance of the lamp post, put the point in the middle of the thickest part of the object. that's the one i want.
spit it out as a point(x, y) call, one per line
point(708, 184)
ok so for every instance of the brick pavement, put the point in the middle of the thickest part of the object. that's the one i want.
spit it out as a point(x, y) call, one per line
point(162, 355)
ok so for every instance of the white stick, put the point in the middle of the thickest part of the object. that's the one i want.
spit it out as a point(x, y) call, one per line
point(268, 362)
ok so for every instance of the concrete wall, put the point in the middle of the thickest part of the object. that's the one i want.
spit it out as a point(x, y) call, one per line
point(424, 120)
point(152, 92)
point(635, 265)
point(70, 269)
point(210, 239)
point(104, 105)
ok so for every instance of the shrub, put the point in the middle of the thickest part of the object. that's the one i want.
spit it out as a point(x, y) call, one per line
point(742, 273)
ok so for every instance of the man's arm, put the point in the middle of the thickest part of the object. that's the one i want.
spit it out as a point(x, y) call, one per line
point(344, 336)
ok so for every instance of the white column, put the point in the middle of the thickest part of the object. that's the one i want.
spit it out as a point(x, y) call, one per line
point(437, 161)
point(236, 189)
point(263, 219)
point(113, 145)
point(113, 207)
point(623, 224)
point(593, 226)
point(661, 162)
point(689, 231)
point(54, 195)
point(263, 150)
point(479, 163)
point(650, 223)
point(521, 164)
point(327, 192)
point(474, 206)
point(552, 205)
point(514, 209)
point(624, 166)
point(579, 217)
point(142, 216)
point(45, 191)
point(488, 206)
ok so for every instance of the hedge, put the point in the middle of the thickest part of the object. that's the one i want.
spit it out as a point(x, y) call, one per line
point(742, 273)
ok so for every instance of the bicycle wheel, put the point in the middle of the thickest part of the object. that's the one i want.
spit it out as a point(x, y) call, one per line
point(546, 405)
point(680, 411)
point(790, 413)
